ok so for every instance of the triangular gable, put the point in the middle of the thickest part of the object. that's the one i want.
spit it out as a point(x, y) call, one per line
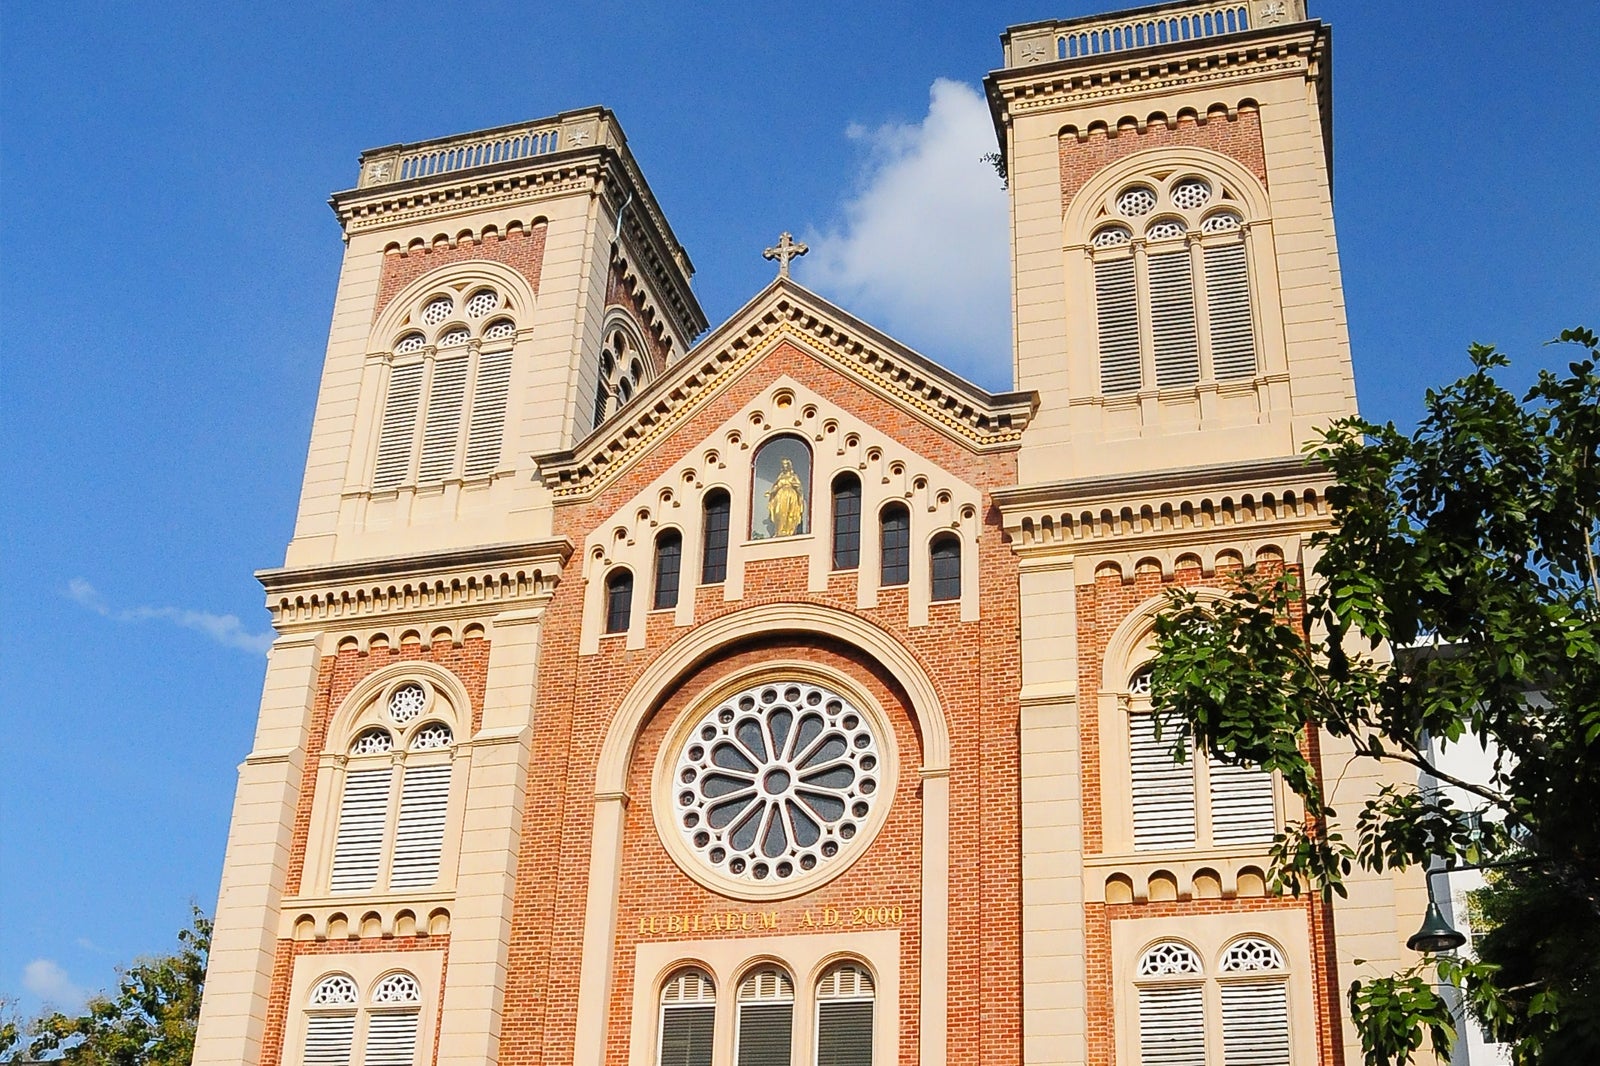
point(785, 310)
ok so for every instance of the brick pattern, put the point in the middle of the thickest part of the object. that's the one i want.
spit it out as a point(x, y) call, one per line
point(337, 675)
point(974, 667)
point(278, 1014)
point(1238, 137)
point(1102, 607)
point(518, 248)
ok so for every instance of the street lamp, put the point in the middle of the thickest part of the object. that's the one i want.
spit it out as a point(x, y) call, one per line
point(1436, 935)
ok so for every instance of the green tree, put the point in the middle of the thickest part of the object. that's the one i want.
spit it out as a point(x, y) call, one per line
point(1468, 546)
point(151, 1020)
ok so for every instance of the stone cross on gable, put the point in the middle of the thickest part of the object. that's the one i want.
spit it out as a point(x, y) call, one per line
point(788, 248)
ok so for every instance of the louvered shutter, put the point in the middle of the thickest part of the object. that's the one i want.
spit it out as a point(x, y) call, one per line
point(419, 836)
point(488, 413)
point(391, 1039)
point(398, 427)
point(358, 846)
point(844, 1034)
point(1255, 1023)
point(1117, 316)
point(1233, 344)
point(686, 1035)
point(1172, 319)
point(329, 1038)
point(1172, 1025)
point(1163, 790)
point(443, 425)
point(765, 1034)
point(1241, 805)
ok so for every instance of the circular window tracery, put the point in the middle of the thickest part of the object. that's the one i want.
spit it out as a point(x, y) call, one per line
point(334, 991)
point(1191, 193)
point(1136, 200)
point(411, 342)
point(776, 781)
point(1220, 222)
point(482, 302)
point(1249, 954)
point(1165, 229)
point(437, 310)
point(1169, 959)
point(499, 329)
point(407, 701)
point(397, 988)
point(1112, 236)
point(373, 741)
point(432, 737)
point(454, 336)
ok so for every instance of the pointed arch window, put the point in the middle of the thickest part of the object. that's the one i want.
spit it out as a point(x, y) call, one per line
point(622, 370)
point(846, 522)
point(845, 1002)
point(1172, 285)
point(669, 567)
point(619, 600)
point(714, 552)
point(894, 540)
point(765, 1022)
point(449, 383)
point(688, 1019)
point(395, 802)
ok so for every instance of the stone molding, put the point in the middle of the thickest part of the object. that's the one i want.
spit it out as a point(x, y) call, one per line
point(467, 582)
point(786, 311)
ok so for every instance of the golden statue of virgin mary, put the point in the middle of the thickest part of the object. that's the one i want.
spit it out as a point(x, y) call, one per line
point(786, 505)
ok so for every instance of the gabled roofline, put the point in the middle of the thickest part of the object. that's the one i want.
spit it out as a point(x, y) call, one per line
point(944, 400)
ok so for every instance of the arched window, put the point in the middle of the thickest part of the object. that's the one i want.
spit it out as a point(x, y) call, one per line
point(781, 489)
point(340, 1029)
point(450, 378)
point(1172, 1006)
point(894, 540)
point(945, 558)
point(1255, 1003)
point(669, 564)
point(621, 373)
point(393, 811)
point(688, 1019)
point(844, 1016)
point(1175, 802)
point(766, 1019)
point(714, 557)
point(1173, 243)
point(846, 522)
point(619, 600)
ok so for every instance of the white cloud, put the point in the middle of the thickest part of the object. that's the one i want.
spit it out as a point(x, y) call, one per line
point(46, 979)
point(225, 629)
point(922, 248)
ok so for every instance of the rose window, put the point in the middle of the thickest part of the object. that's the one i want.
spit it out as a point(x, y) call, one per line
point(776, 781)
point(407, 701)
point(438, 310)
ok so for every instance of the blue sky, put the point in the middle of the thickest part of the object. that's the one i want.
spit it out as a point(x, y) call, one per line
point(168, 266)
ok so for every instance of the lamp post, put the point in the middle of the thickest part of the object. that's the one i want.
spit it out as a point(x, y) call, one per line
point(1436, 935)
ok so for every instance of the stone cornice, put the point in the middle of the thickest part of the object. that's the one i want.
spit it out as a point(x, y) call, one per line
point(1224, 501)
point(785, 310)
point(461, 583)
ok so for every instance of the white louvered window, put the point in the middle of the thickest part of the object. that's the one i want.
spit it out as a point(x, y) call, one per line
point(331, 1022)
point(1172, 306)
point(1255, 1007)
point(1172, 1007)
point(1242, 808)
point(392, 1019)
point(844, 1016)
point(1162, 788)
point(765, 1030)
point(394, 808)
point(445, 407)
point(688, 1019)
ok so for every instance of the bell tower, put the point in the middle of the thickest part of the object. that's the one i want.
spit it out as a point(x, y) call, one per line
point(1177, 298)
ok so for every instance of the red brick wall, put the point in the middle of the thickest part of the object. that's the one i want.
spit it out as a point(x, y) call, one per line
point(1238, 137)
point(337, 675)
point(974, 666)
point(520, 249)
point(278, 1013)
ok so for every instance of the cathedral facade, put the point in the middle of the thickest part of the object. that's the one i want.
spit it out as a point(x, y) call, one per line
point(645, 694)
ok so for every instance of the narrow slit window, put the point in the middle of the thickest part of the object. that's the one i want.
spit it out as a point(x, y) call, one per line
point(669, 564)
point(846, 522)
point(714, 560)
point(895, 538)
point(945, 559)
point(619, 601)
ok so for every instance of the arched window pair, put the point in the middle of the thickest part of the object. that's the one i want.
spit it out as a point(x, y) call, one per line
point(1243, 1005)
point(1172, 285)
point(668, 574)
point(382, 1031)
point(764, 1019)
point(1186, 804)
point(396, 798)
point(445, 408)
point(622, 371)
point(894, 542)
